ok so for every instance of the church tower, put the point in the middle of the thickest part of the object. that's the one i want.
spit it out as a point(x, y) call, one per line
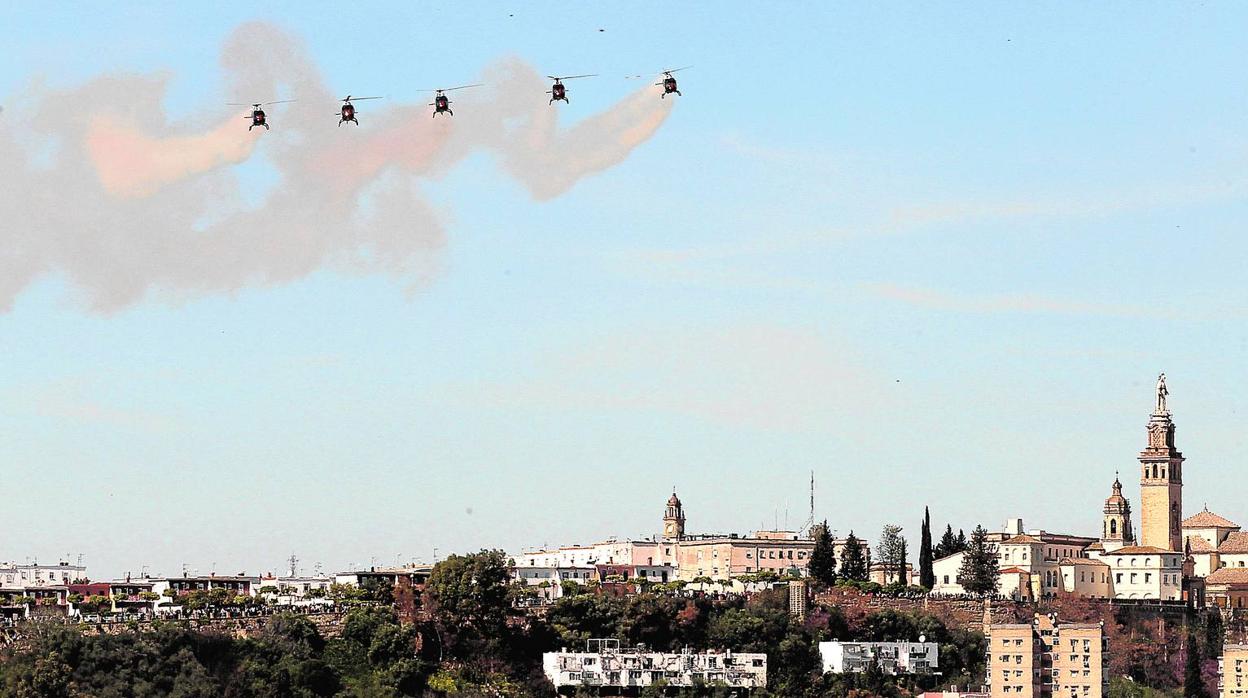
point(1161, 480)
point(1116, 531)
point(674, 519)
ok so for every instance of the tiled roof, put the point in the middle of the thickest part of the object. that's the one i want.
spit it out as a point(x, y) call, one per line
point(1236, 542)
point(1198, 544)
point(1013, 570)
point(1095, 546)
point(1082, 561)
point(1138, 550)
point(1021, 539)
point(1228, 575)
point(1207, 519)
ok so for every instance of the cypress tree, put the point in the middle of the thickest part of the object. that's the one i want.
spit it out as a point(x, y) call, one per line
point(902, 563)
point(1214, 633)
point(927, 575)
point(1193, 685)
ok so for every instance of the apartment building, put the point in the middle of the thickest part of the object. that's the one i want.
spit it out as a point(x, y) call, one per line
point(1047, 658)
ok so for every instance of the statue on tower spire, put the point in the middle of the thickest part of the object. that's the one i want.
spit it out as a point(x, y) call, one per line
point(1162, 392)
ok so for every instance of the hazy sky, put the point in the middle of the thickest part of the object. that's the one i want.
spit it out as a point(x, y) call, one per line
point(935, 253)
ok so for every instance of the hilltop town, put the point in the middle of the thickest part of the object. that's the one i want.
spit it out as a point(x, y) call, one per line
point(1055, 612)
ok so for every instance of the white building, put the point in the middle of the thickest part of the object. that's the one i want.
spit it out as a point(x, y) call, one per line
point(1144, 572)
point(1030, 563)
point(892, 657)
point(36, 575)
point(606, 664)
point(1086, 578)
point(548, 581)
point(608, 552)
point(946, 571)
point(296, 590)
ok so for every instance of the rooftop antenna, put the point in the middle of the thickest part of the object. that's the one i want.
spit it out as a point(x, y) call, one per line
point(812, 499)
point(293, 561)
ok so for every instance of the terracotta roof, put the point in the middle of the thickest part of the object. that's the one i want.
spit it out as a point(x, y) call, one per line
point(1138, 550)
point(1236, 542)
point(1228, 575)
point(1021, 539)
point(1082, 561)
point(1198, 544)
point(1095, 546)
point(1207, 519)
point(1013, 570)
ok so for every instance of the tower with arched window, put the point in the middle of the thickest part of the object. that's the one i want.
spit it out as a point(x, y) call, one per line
point(674, 519)
point(1161, 481)
point(1116, 531)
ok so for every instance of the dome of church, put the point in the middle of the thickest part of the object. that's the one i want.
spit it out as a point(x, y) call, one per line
point(1116, 497)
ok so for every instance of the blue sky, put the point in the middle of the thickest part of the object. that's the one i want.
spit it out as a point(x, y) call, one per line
point(937, 255)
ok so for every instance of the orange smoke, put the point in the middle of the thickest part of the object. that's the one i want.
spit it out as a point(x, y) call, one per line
point(132, 164)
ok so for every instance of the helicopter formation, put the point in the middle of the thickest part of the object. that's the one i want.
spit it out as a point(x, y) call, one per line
point(442, 104)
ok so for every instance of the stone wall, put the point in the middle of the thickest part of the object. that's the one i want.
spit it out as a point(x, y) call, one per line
point(955, 612)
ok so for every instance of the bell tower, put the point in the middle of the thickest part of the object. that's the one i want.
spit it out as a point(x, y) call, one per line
point(674, 518)
point(1116, 531)
point(1161, 480)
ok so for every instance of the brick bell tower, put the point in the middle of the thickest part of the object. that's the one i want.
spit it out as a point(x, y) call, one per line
point(1161, 480)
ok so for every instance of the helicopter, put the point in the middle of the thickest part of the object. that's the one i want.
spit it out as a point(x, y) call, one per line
point(558, 91)
point(441, 103)
point(669, 82)
point(347, 112)
point(257, 114)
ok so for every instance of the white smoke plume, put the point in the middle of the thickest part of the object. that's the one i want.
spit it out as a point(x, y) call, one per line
point(124, 204)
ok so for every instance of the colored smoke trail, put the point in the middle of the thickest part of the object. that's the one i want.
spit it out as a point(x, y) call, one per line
point(130, 204)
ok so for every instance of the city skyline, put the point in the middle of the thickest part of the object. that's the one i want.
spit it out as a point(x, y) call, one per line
point(939, 261)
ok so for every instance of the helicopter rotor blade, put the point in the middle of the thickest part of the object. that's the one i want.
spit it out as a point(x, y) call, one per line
point(280, 101)
point(463, 87)
point(349, 98)
point(676, 69)
point(573, 77)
